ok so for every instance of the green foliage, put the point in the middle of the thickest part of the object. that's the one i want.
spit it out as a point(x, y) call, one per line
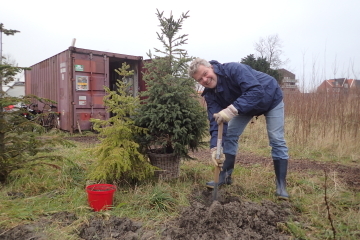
point(161, 199)
point(171, 112)
point(7, 31)
point(21, 141)
point(262, 65)
point(117, 155)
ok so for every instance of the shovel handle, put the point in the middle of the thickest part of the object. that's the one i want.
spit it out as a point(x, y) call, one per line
point(218, 152)
point(219, 140)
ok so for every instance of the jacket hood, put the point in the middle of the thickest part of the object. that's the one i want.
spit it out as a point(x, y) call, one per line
point(218, 67)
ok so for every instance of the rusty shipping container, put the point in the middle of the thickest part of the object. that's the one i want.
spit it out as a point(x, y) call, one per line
point(75, 79)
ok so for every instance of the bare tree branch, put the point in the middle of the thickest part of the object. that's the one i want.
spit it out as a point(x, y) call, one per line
point(271, 49)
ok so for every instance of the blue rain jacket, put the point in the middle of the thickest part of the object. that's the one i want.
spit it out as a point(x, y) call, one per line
point(251, 92)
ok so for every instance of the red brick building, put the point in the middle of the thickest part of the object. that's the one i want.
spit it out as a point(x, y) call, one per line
point(339, 85)
point(289, 83)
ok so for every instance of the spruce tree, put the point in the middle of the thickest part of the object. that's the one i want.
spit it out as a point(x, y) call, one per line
point(170, 109)
point(118, 156)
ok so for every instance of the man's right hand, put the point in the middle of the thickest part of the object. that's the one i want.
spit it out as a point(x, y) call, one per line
point(217, 162)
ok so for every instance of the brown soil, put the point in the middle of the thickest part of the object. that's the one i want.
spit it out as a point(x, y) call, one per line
point(227, 218)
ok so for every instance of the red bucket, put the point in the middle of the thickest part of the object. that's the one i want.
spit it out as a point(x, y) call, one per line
point(100, 196)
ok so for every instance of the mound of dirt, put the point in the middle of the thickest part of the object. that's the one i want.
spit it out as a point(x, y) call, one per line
point(112, 228)
point(233, 220)
point(228, 218)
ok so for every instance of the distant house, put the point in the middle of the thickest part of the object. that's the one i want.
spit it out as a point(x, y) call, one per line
point(339, 85)
point(16, 89)
point(289, 83)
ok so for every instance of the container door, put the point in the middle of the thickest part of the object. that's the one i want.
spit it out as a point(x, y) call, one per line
point(90, 77)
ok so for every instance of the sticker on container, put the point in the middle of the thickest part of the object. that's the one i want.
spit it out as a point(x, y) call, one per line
point(62, 67)
point(79, 68)
point(82, 100)
point(82, 83)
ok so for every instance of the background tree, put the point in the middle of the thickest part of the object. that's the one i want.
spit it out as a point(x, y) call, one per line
point(270, 48)
point(20, 141)
point(262, 65)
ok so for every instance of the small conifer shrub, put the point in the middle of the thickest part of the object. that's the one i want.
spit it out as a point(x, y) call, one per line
point(117, 156)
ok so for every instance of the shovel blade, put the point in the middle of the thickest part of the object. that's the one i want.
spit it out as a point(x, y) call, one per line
point(216, 183)
point(215, 191)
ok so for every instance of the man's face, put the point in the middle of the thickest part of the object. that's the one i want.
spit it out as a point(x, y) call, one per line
point(206, 76)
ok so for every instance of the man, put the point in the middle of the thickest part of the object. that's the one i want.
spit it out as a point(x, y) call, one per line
point(234, 94)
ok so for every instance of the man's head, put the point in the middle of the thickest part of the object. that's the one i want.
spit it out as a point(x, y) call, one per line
point(202, 71)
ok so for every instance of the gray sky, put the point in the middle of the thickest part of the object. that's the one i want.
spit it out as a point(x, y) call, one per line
point(320, 37)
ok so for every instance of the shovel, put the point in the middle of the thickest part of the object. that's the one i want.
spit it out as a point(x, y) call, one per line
point(217, 157)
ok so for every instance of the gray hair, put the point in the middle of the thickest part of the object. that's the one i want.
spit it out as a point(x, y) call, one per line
point(194, 65)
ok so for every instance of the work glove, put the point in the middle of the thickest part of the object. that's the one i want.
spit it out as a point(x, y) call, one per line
point(226, 115)
point(217, 162)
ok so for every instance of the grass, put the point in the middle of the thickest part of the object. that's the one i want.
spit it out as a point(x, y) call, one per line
point(43, 190)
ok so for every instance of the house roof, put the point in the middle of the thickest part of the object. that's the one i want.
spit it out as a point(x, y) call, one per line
point(340, 82)
point(285, 72)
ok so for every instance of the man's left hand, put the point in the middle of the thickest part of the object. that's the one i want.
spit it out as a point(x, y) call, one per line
point(226, 115)
point(217, 162)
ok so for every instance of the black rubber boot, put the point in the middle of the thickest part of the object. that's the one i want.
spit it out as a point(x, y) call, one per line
point(225, 174)
point(280, 167)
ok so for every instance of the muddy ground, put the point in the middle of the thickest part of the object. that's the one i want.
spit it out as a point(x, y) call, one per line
point(226, 219)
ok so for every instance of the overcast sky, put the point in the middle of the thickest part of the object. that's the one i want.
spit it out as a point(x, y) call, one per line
point(321, 38)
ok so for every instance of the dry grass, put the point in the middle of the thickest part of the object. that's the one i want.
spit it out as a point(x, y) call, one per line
point(325, 123)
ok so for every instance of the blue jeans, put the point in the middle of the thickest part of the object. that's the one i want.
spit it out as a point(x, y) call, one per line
point(275, 129)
